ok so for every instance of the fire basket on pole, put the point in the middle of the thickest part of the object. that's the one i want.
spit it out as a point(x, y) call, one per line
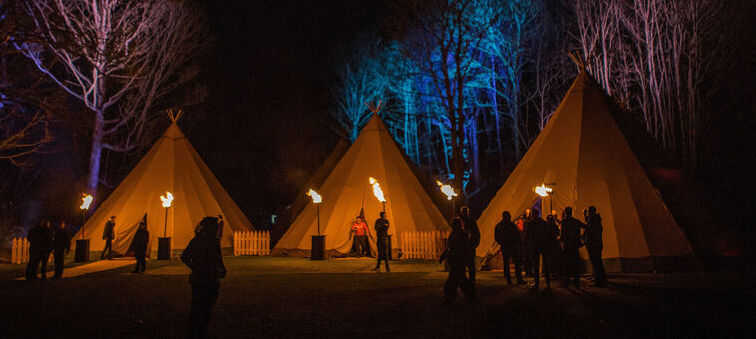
point(447, 190)
point(378, 193)
point(317, 252)
point(164, 243)
point(82, 245)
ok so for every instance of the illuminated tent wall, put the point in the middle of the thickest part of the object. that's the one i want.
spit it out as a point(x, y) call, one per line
point(585, 154)
point(373, 154)
point(172, 165)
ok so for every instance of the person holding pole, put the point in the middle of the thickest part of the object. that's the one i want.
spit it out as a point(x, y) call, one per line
point(381, 231)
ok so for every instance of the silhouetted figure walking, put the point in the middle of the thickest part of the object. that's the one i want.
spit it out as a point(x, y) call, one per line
point(108, 234)
point(381, 232)
point(456, 256)
point(61, 247)
point(570, 236)
point(539, 237)
point(509, 239)
point(594, 243)
point(470, 225)
point(40, 245)
point(141, 240)
point(203, 256)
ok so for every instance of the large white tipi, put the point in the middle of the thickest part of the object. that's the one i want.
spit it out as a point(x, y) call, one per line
point(346, 191)
point(171, 165)
point(583, 154)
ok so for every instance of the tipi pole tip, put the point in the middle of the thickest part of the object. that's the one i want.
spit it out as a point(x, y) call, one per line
point(174, 115)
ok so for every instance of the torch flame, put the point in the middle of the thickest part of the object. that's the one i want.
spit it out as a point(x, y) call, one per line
point(86, 200)
point(316, 198)
point(377, 191)
point(167, 199)
point(543, 190)
point(447, 189)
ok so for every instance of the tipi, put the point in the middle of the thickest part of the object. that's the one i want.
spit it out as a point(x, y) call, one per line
point(583, 154)
point(171, 165)
point(346, 191)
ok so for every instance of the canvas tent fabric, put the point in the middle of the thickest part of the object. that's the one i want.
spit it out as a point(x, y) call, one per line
point(582, 151)
point(373, 154)
point(172, 165)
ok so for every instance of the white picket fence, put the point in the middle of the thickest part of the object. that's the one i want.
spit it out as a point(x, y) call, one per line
point(20, 251)
point(252, 243)
point(423, 244)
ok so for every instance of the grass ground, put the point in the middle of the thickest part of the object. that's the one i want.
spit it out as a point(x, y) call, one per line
point(287, 297)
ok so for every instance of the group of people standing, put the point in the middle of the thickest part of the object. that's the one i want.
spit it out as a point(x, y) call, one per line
point(530, 240)
point(44, 240)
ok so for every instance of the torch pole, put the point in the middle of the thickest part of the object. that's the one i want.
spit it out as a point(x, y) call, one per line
point(384, 206)
point(165, 226)
point(317, 208)
point(83, 218)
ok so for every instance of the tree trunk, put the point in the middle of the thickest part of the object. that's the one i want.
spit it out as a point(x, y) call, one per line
point(94, 157)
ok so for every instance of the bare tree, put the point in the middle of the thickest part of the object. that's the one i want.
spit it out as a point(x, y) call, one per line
point(101, 51)
point(21, 137)
point(658, 54)
point(444, 34)
point(362, 79)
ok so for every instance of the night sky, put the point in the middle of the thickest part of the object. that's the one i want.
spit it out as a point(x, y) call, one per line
point(264, 129)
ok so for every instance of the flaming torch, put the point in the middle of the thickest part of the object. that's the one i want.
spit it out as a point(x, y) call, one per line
point(544, 191)
point(378, 192)
point(316, 199)
point(167, 200)
point(86, 200)
point(447, 190)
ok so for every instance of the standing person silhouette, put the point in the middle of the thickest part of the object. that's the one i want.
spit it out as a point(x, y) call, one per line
point(470, 225)
point(40, 244)
point(141, 240)
point(570, 236)
point(381, 232)
point(594, 243)
point(108, 234)
point(509, 239)
point(456, 256)
point(203, 256)
point(61, 247)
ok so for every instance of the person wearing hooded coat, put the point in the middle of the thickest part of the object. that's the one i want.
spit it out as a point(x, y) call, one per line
point(203, 256)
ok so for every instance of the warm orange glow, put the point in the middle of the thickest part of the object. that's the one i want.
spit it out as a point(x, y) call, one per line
point(377, 191)
point(167, 199)
point(543, 190)
point(316, 198)
point(86, 200)
point(447, 189)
